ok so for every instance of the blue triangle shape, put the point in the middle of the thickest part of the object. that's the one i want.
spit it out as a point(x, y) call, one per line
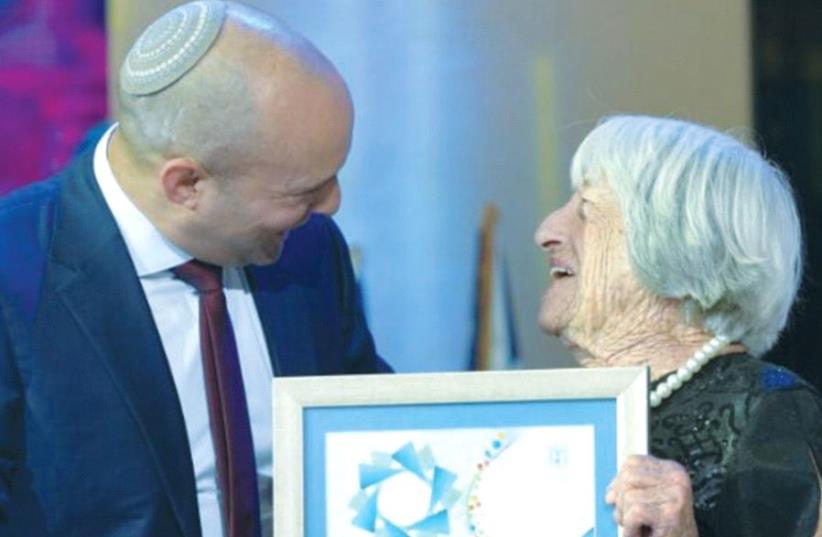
point(407, 456)
point(390, 530)
point(371, 475)
point(436, 523)
point(367, 515)
point(443, 479)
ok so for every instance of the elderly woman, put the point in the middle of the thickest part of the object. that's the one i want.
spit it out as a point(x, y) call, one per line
point(681, 249)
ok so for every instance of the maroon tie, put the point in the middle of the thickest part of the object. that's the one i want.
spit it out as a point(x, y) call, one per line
point(227, 411)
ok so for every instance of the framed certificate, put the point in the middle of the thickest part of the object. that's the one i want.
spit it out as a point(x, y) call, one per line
point(481, 454)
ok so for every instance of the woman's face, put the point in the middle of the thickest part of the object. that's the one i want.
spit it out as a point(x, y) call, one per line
point(591, 278)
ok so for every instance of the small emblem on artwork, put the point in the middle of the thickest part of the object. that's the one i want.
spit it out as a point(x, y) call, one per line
point(557, 456)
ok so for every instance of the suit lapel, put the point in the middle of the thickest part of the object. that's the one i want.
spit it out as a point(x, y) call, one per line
point(93, 275)
point(281, 306)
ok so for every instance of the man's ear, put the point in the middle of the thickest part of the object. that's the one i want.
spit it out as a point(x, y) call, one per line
point(180, 178)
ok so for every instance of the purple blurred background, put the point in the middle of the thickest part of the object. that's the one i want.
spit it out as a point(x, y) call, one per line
point(52, 83)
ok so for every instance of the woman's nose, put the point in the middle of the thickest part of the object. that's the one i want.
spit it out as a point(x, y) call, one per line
point(550, 232)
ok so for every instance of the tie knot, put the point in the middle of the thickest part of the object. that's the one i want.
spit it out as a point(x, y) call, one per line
point(204, 277)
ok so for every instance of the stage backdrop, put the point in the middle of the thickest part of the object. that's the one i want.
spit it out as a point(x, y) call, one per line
point(460, 102)
point(52, 83)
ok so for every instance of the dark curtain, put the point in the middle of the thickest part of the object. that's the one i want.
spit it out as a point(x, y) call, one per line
point(788, 120)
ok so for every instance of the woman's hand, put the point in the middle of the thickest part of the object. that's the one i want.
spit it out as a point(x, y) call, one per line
point(653, 498)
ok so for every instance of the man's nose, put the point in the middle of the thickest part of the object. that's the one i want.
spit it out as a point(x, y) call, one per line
point(329, 202)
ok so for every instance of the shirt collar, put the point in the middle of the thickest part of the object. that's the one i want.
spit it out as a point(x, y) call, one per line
point(150, 251)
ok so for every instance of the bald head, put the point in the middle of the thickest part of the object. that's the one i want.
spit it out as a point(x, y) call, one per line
point(210, 79)
point(232, 131)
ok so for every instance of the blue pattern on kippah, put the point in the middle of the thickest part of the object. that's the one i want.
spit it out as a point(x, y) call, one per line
point(775, 378)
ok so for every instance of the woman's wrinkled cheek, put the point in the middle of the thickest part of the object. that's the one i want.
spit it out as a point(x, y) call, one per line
point(607, 284)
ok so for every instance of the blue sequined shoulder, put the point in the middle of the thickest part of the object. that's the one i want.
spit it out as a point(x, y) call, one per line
point(775, 378)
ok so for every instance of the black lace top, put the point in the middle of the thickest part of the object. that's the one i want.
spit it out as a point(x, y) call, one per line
point(750, 435)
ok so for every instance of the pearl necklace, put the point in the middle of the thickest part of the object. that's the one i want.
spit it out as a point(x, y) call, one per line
point(685, 373)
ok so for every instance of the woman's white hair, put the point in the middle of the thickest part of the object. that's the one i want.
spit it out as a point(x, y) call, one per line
point(708, 221)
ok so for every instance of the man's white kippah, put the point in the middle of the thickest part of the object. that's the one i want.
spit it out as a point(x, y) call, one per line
point(171, 46)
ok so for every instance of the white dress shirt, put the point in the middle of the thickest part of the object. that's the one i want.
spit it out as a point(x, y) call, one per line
point(175, 308)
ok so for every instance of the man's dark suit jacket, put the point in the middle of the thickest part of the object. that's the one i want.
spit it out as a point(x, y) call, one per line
point(92, 438)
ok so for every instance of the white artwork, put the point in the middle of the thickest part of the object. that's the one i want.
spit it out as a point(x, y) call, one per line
point(527, 481)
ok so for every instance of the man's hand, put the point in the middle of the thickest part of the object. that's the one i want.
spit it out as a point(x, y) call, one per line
point(653, 498)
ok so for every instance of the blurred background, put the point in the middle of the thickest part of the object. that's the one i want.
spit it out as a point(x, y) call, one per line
point(468, 112)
